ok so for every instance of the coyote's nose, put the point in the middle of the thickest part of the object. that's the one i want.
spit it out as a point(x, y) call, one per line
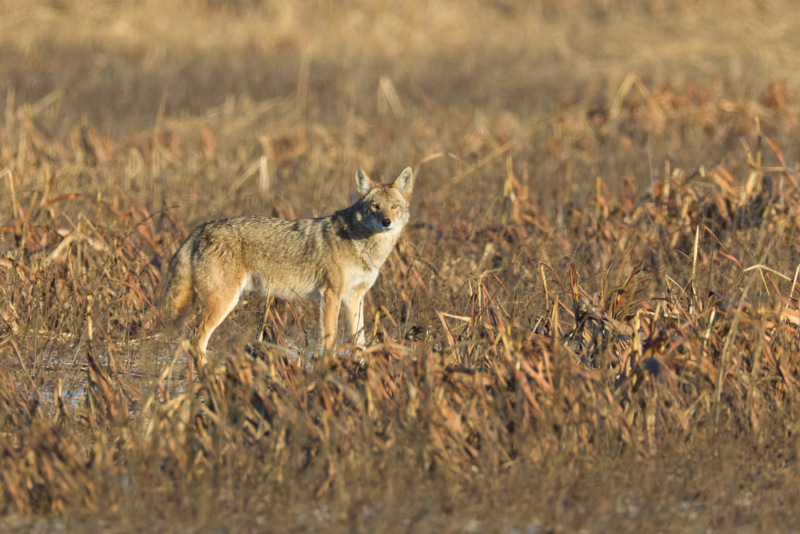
point(387, 222)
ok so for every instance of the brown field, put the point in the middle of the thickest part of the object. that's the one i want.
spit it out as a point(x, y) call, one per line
point(590, 325)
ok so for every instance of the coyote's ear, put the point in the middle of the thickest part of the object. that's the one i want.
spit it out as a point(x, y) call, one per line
point(363, 183)
point(405, 182)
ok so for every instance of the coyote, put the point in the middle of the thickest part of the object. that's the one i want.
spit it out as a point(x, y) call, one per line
point(334, 259)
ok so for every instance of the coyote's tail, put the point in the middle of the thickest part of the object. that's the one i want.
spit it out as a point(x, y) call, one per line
point(177, 293)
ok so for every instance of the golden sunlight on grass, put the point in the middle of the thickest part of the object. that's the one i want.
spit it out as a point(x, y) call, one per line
point(590, 322)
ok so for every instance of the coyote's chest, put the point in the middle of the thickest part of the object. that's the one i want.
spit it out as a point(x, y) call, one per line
point(359, 279)
point(363, 270)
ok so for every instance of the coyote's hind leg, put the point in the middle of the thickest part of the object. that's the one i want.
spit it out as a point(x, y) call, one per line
point(216, 307)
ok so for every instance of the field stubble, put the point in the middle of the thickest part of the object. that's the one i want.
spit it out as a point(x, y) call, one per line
point(590, 323)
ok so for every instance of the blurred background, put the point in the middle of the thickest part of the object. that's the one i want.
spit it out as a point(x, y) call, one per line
point(582, 88)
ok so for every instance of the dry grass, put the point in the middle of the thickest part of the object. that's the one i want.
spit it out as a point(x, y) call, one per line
point(591, 322)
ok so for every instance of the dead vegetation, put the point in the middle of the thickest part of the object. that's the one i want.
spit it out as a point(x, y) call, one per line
point(591, 322)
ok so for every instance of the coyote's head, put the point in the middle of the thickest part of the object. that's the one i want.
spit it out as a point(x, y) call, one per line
point(384, 208)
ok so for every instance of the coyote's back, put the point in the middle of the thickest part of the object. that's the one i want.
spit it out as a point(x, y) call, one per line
point(334, 259)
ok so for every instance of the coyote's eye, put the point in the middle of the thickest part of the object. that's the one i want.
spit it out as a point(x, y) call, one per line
point(375, 207)
point(395, 206)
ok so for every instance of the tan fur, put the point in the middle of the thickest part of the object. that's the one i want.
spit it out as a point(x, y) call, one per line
point(335, 259)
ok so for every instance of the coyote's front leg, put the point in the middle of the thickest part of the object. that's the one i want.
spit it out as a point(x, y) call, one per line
point(355, 317)
point(329, 317)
